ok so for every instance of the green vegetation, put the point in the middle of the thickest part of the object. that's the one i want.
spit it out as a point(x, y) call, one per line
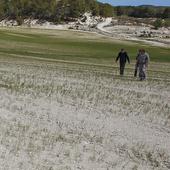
point(52, 10)
point(66, 10)
point(145, 11)
point(158, 23)
point(70, 46)
point(167, 22)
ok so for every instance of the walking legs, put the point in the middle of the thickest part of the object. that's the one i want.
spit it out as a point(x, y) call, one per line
point(142, 71)
point(122, 68)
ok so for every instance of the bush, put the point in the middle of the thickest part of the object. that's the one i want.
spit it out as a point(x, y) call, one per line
point(167, 23)
point(158, 23)
point(19, 20)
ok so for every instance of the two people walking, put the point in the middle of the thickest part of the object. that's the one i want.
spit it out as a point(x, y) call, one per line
point(142, 60)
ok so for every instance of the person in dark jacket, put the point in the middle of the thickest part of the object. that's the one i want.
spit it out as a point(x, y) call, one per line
point(122, 57)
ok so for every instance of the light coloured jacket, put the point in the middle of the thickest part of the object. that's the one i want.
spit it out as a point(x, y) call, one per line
point(143, 58)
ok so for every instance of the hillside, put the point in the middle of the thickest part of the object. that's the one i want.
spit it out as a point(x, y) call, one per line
point(52, 10)
point(66, 10)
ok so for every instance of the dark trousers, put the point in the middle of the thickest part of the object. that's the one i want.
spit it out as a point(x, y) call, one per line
point(122, 68)
point(136, 70)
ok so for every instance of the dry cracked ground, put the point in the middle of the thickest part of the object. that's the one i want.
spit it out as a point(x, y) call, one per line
point(66, 116)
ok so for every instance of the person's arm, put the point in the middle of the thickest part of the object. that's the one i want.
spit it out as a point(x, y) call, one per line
point(137, 56)
point(137, 59)
point(147, 59)
point(127, 58)
point(118, 57)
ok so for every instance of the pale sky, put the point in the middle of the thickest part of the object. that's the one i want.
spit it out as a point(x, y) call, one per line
point(137, 2)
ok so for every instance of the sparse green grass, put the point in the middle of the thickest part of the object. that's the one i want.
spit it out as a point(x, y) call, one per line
point(57, 115)
point(72, 46)
point(55, 112)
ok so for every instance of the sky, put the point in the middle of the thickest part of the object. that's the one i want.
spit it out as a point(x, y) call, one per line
point(137, 2)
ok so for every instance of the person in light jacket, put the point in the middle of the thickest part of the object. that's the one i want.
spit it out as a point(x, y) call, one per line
point(142, 62)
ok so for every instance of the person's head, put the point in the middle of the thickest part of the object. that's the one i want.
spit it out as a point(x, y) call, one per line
point(122, 50)
point(142, 51)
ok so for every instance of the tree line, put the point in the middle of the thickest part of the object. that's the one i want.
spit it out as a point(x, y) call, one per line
point(63, 10)
point(53, 10)
point(143, 11)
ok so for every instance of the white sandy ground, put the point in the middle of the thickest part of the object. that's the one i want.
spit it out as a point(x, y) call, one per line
point(66, 116)
point(124, 32)
point(101, 26)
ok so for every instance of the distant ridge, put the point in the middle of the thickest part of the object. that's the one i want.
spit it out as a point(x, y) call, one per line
point(152, 6)
point(145, 5)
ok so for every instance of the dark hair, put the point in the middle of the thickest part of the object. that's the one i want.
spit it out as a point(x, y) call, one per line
point(142, 50)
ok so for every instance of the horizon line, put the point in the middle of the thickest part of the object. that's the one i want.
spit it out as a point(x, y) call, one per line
point(134, 5)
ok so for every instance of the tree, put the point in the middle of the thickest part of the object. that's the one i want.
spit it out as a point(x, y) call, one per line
point(166, 13)
point(94, 7)
point(77, 7)
point(2, 9)
point(119, 11)
point(106, 10)
point(158, 23)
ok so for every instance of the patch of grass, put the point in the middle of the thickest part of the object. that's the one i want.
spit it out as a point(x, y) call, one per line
point(67, 45)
